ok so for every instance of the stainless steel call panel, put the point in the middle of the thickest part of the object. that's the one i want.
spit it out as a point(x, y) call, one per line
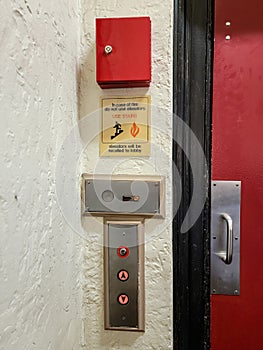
point(124, 202)
point(117, 195)
point(124, 275)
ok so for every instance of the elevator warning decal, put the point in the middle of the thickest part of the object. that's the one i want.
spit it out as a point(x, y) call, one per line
point(125, 127)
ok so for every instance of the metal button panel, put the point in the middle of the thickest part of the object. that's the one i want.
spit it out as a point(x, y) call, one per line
point(124, 277)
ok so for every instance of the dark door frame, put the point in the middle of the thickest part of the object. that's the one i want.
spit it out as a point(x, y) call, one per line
point(193, 55)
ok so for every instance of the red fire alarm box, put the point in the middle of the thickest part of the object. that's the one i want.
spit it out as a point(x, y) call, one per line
point(123, 49)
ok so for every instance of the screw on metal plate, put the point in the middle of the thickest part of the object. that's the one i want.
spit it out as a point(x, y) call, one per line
point(214, 291)
point(108, 49)
point(236, 292)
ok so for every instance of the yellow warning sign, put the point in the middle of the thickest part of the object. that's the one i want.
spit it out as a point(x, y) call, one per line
point(125, 127)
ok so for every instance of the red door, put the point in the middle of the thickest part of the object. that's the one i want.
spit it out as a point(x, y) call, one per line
point(236, 321)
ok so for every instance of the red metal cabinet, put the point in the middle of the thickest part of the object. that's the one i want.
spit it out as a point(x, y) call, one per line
point(123, 52)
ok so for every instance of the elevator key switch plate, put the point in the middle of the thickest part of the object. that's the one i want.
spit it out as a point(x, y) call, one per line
point(120, 195)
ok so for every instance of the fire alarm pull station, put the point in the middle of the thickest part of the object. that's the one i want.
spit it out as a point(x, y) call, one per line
point(123, 52)
point(124, 202)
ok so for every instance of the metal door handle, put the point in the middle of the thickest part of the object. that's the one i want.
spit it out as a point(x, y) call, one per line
point(229, 245)
point(225, 237)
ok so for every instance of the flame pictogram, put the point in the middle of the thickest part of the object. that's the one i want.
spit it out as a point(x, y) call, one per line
point(135, 130)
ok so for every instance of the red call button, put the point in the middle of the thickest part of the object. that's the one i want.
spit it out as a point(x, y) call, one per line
point(123, 275)
point(123, 251)
point(123, 299)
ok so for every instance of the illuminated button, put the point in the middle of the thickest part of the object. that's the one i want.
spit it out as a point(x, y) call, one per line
point(123, 299)
point(123, 275)
point(123, 251)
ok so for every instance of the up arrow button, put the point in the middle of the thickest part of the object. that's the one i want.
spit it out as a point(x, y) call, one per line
point(123, 275)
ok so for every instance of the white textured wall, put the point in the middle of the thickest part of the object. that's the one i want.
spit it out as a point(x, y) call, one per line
point(40, 250)
point(158, 333)
point(40, 255)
